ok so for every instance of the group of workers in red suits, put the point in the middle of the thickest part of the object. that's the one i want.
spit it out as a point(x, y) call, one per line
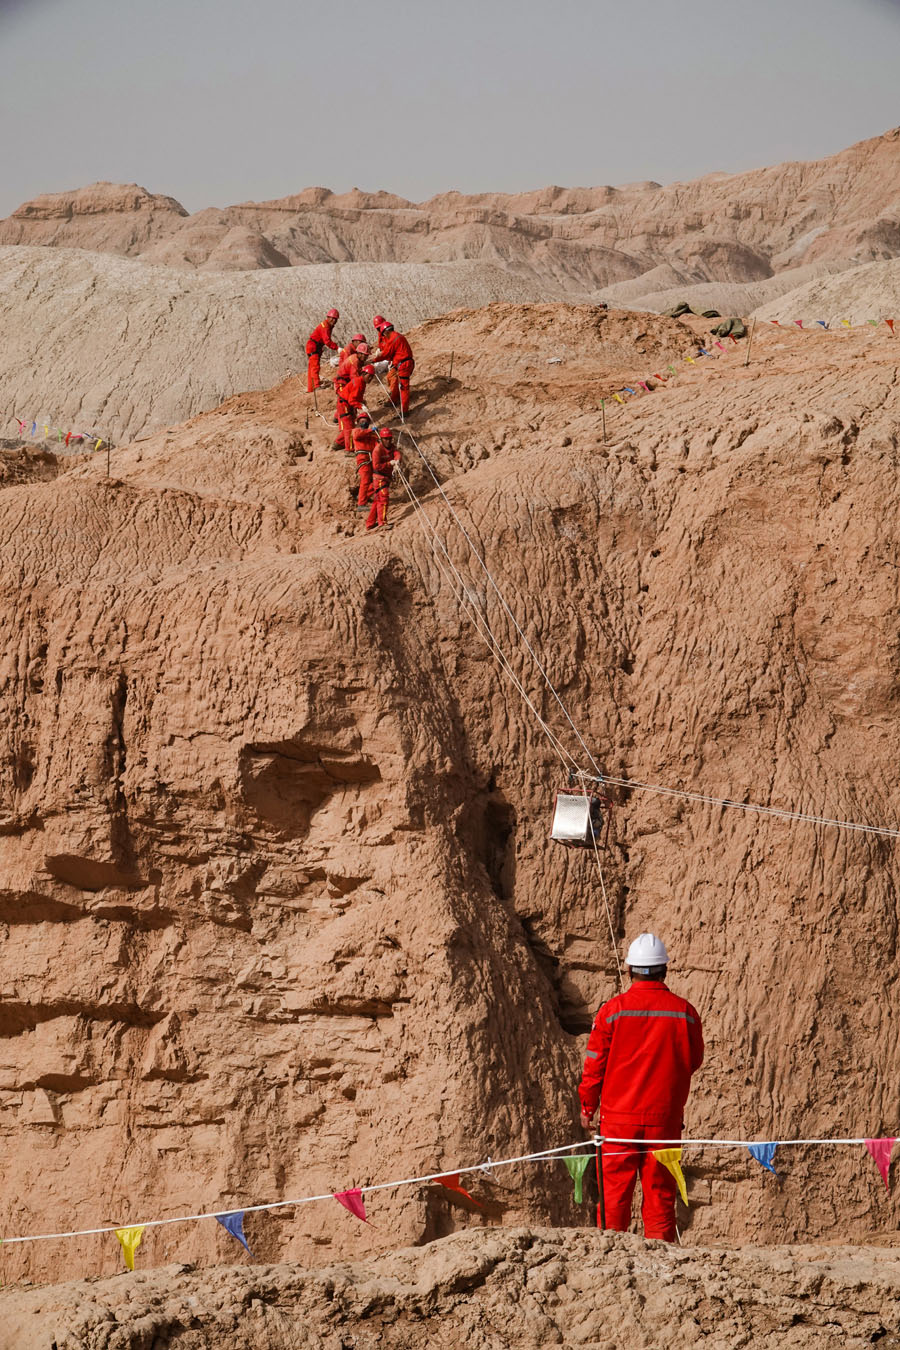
point(357, 363)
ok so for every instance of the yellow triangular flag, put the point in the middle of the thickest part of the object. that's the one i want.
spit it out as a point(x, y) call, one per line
point(691, 359)
point(618, 398)
point(845, 322)
point(130, 1239)
point(671, 1159)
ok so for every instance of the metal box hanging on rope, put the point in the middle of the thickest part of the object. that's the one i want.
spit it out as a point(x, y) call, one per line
point(578, 819)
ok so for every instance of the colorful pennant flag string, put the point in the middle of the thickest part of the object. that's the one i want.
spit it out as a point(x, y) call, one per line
point(234, 1224)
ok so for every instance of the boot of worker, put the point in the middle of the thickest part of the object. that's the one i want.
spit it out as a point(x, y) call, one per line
point(312, 374)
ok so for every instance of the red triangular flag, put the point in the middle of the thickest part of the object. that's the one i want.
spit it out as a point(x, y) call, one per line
point(660, 377)
point(880, 1150)
point(776, 323)
point(353, 1201)
point(450, 1182)
point(890, 324)
point(799, 323)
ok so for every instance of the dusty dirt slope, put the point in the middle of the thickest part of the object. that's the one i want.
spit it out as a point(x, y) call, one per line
point(280, 912)
point(104, 344)
point(722, 227)
point(527, 1288)
point(862, 293)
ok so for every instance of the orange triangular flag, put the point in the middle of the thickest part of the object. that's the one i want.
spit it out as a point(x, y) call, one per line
point(450, 1182)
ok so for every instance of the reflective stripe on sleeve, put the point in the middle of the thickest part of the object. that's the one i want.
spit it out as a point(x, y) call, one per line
point(592, 1054)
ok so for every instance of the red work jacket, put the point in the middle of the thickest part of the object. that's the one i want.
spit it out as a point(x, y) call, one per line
point(364, 443)
point(394, 347)
point(643, 1047)
point(353, 392)
point(320, 337)
point(382, 461)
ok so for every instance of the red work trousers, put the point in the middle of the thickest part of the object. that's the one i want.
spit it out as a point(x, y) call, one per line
point(365, 483)
point(381, 494)
point(624, 1163)
point(312, 372)
point(398, 384)
point(346, 415)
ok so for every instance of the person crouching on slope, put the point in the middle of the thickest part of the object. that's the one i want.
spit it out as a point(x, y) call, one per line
point(319, 337)
point(643, 1048)
point(395, 350)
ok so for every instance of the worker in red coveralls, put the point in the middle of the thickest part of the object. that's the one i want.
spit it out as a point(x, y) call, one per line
point(350, 401)
point(319, 337)
point(396, 351)
point(643, 1048)
point(364, 444)
point(353, 357)
point(385, 455)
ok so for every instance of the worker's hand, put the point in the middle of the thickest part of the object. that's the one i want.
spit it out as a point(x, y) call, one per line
point(587, 1122)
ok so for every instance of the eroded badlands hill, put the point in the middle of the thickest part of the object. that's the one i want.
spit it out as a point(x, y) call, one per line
point(280, 910)
point(723, 227)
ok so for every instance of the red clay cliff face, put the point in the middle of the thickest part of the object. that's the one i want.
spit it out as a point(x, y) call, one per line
point(723, 227)
point(280, 914)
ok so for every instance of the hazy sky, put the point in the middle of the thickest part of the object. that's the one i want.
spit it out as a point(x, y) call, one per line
point(218, 101)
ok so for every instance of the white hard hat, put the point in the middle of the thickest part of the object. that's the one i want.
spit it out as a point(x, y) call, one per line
point(647, 951)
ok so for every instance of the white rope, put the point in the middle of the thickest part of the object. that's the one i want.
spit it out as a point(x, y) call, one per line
point(467, 601)
point(307, 1199)
point(612, 934)
point(499, 593)
point(888, 831)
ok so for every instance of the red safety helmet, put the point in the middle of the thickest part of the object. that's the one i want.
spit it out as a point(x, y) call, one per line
point(358, 337)
point(386, 328)
point(386, 434)
point(362, 348)
point(363, 419)
point(368, 370)
point(332, 314)
point(378, 322)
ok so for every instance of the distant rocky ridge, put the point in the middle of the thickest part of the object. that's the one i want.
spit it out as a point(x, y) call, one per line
point(737, 228)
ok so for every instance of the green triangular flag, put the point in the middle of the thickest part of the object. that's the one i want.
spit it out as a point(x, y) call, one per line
point(576, 1168)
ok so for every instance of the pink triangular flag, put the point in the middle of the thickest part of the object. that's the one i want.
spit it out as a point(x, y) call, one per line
point(643, 386)
point(880, 1150)
point(353, 1201)
point(720, 344)
point(450, 1181)
point(799, 323)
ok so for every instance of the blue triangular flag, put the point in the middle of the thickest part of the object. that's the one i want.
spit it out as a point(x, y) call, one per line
point(704, 352)
point(234, 1222)
point(821, 323)
point(33, 428)
point(628, 389)
point(763, 1153)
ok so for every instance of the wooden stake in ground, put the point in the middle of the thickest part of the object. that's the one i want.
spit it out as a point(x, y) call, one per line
point(750, 342)
point(450, 376)
point(603, 415)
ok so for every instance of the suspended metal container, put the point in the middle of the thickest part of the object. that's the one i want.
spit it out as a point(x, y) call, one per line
point(577, 819)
